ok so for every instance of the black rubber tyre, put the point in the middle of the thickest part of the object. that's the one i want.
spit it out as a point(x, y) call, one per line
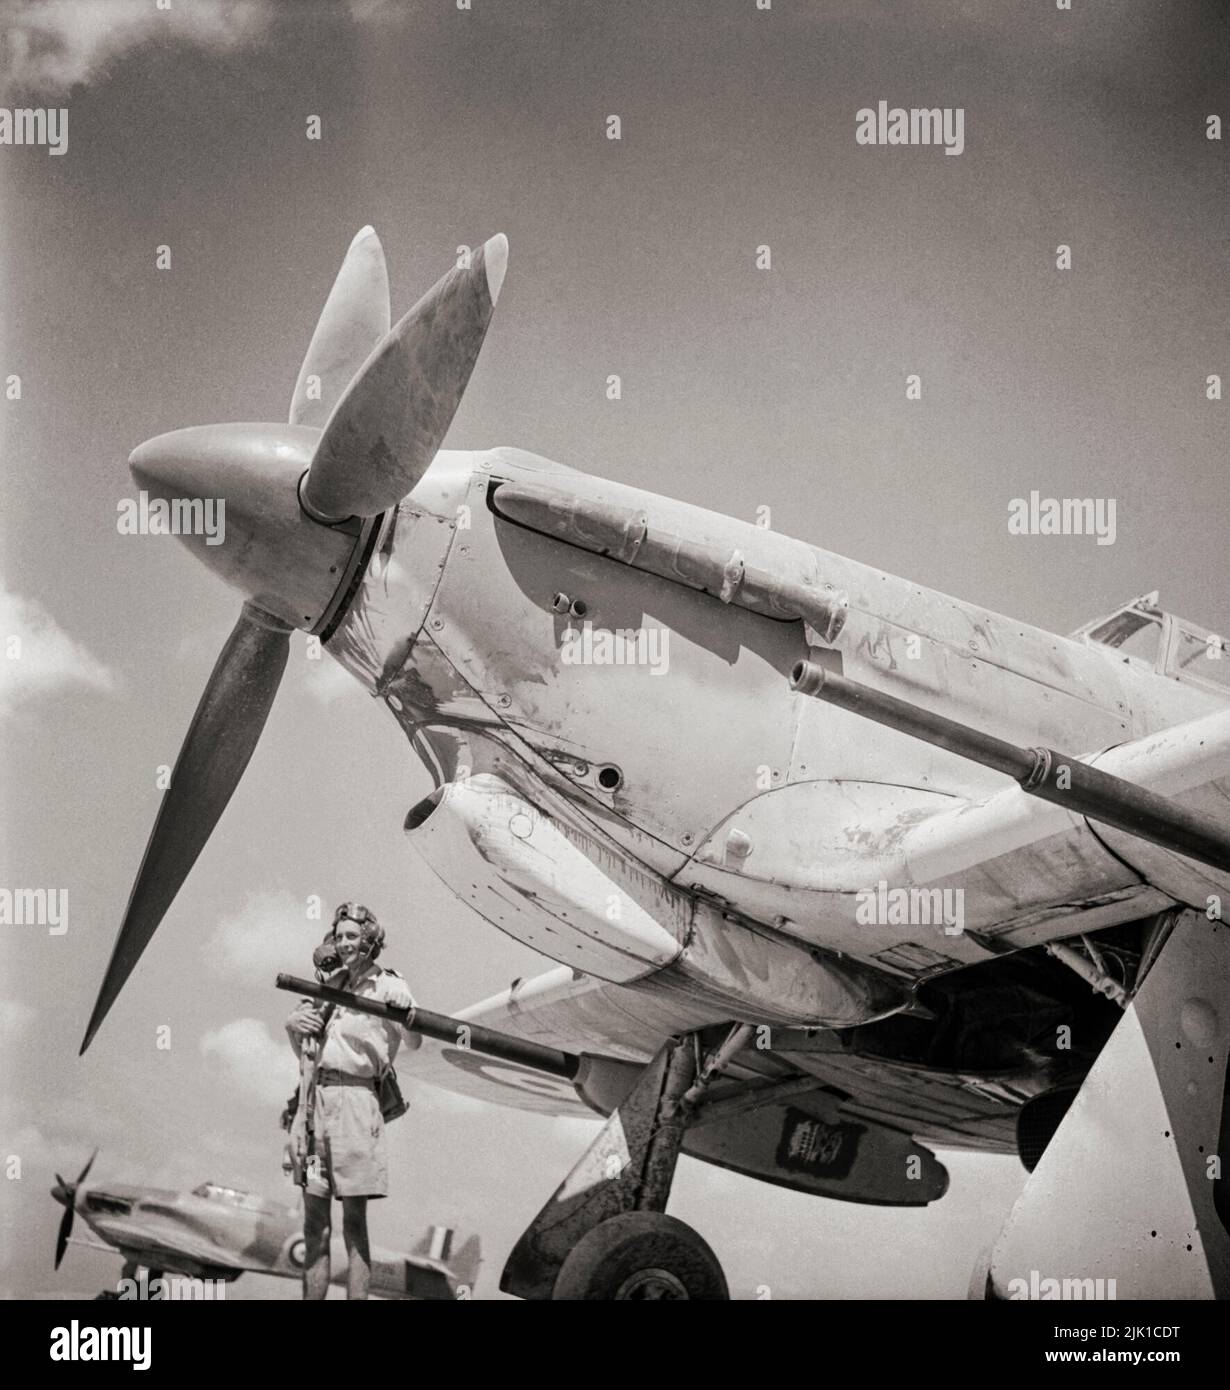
point(641, 1256)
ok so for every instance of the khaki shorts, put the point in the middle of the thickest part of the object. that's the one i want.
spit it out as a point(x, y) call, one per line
point(350, 1158)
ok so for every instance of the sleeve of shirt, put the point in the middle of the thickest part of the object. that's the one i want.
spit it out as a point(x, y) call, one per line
point(384, 990)
point(384, 986)
point(296, 1039)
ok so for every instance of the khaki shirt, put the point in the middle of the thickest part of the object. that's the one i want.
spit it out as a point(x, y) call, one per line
point(360, 1044)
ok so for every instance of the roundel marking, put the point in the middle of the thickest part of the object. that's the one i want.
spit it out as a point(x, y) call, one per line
point(512, 1075)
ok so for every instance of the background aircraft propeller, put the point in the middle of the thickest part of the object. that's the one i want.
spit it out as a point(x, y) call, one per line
point(66, 1193)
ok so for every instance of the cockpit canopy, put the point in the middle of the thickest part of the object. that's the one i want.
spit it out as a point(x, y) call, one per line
point(230, 1196)
point(1162, 642)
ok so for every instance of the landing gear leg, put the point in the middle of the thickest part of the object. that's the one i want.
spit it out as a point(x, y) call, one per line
point(128, 1272)
point(605, 1233)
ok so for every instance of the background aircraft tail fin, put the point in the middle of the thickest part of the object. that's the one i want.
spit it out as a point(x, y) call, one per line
point(465, 1264)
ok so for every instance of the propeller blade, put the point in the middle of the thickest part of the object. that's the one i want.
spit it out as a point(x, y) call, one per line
point(220, 740)
point(353, 321)
point(394, 415)
point(85, 1172)
point(66, 1230)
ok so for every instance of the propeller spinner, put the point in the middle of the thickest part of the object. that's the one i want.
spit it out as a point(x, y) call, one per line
point(303, 502)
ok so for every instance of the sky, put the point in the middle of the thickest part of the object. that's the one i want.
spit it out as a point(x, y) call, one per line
point(742, 388)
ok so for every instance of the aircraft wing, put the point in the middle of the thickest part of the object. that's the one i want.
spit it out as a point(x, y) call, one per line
point(165, 1237)
point(793, 1123)
point(617, 1028)
point(533, 1010)
point(1143, 797)
point(1070, 844)
point(186, 1255)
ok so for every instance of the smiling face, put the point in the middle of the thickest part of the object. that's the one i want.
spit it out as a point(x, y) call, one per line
point(348, 936)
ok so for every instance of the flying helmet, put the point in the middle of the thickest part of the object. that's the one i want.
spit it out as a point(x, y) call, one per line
point(371, 933)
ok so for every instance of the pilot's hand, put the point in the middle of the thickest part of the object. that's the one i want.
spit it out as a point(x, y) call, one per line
point(305, 1020)
point(397, 993)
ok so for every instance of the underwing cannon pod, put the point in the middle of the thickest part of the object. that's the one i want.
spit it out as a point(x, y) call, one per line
point(559, 889)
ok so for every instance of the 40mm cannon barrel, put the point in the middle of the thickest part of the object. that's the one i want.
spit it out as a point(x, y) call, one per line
point(456, 1031)
point(1042, 772)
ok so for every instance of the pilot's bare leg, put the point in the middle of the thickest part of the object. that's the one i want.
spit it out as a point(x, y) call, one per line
point(358, 1256)
point(317, 1232)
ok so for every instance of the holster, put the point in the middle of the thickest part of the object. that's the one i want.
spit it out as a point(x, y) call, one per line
point(392, 1103)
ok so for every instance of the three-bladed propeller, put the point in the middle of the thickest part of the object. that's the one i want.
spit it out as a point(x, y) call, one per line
point(387, 427)
point(220, 740)
point(66, 1194)
point(355, 318)
point(386, 400)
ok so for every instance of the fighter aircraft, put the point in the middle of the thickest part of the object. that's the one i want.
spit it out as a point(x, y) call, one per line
point(834, 868)
point(216, 1233)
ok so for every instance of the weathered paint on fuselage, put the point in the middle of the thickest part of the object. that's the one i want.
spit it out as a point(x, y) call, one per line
point(454, 628)
point(208, 1238)
point(188, 1234)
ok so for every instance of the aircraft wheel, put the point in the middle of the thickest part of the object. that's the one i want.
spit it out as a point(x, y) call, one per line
point(641, 1255)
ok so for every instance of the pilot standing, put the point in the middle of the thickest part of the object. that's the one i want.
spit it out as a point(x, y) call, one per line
point(349, 1159)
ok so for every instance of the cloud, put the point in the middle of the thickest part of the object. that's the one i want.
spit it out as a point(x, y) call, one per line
point(37, 657)
point(55, 45)
point(251, 1061)
point(46, 1137)
point(202, 646)
point(269, 934)
point(328, 681)
point(15, 1017)
point(32, 1149)
point(366, 11)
